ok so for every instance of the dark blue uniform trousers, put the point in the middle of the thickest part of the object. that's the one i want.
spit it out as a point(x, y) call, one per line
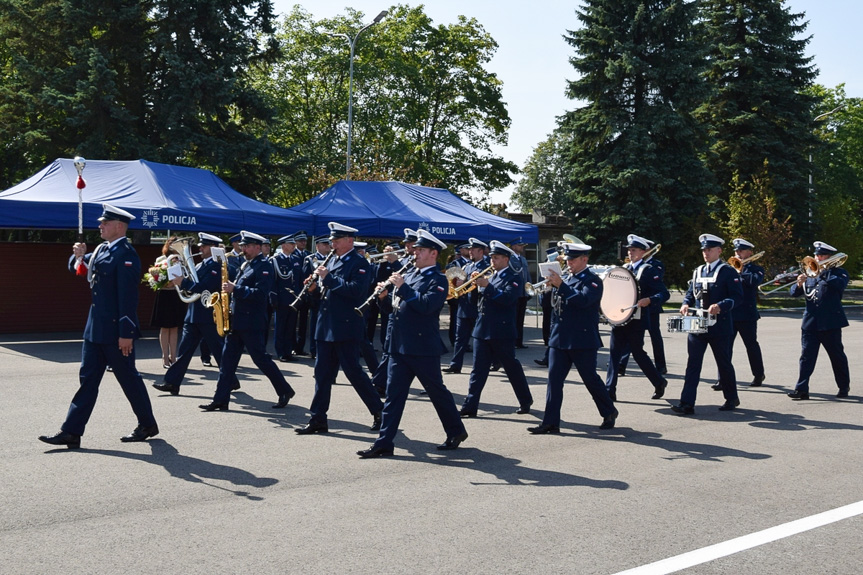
point(192, 335)
point(503, 351)
point(302, 326)
point(696, 345)
point(463, 331)
point(629, 339)
point(831, 339)
point(748, 331)
point(560, 361)
point(331, 355)
point(379, 377)
point(253, 341)
point(402, 371)
point(655, 331)
point(285, 335)
point(95, 357)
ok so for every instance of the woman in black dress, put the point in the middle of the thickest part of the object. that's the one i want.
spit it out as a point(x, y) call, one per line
point(168, 313)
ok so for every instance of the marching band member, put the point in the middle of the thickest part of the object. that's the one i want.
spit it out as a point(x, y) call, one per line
point(235, 256)
point(630, 337)
point(311, 303)
point(249, 294)
point(114, 271)
point(551, 255)
point(715, 288)
point(461, 257)
point(654, 329)
point(301, 253)
point(199, 324)
point(519, 263)
point(575, 338)
point(495, 331)
point(467, 306)
point(344, 283)
point(367, 348)
point(414, 347)
point(745, 316)
point(823, 321)
point(288, 281)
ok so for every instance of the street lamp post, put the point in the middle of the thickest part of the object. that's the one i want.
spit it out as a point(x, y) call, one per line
point(352, 42)
point(818, 118)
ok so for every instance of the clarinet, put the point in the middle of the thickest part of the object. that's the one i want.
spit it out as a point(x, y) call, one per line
point(382, 288)
point(313, 279)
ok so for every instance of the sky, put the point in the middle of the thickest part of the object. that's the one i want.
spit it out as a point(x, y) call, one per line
point(532, 60)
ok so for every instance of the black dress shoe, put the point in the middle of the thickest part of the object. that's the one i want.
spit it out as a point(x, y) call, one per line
point(524, 409)
point(729, 405)
point(451, 369)
point(141, 433)
point(283, 401)
point(236, 386)
point(683, 409)
point(286, 358)
point(167, 387)
point(452, 442)
point(543, 429)
point(300, 352)
point(608, 420)
point(207, 363)
point(843, 392)
point(521, 346)
point(621, 371)
point(467, 413)
point(313, 355)
point(373, 451)
point(659, 390)
point(311, 428)
point(494, 367)
point(62, 438)
point(376, 422)
point(542, 362)
point(716, 386)
point(757, 381)
point(797, 394)
point(213, 406)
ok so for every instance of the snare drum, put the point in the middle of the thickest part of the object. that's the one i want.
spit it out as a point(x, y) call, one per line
point(619, 294)
point(688, 324)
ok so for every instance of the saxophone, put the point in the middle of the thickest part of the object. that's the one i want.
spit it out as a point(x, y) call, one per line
point(221, 301)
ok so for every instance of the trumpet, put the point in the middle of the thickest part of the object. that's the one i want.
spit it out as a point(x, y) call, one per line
point(540, 286)
point(375, 257)
point(470, 284)
point(738, 264)
point(808, 265)
point(379, 290)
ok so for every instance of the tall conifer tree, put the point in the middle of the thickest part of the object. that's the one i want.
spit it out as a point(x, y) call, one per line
point(758, 109)
point(635, 152)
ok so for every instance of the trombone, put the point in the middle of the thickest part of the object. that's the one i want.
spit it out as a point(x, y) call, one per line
point(738, 264)
point(808, 265)
point(648, 254)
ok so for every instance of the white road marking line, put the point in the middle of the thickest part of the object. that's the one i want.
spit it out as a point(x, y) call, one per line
point(699, 556)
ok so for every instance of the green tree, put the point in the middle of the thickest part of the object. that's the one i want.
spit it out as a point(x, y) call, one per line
point(758, 109)
point(425, 107)
point(546, 177)
point(752, 213)
point(635, 144)
point(165, 80)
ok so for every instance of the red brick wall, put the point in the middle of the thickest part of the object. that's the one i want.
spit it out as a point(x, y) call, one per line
point(41, 295)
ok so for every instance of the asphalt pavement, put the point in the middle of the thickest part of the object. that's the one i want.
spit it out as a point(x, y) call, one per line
point(240, 492)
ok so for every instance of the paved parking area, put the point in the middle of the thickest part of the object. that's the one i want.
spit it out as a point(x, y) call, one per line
point(238, 491)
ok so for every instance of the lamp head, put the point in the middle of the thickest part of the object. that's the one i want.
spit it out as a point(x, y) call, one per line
point(80, 163)
point(380, 16)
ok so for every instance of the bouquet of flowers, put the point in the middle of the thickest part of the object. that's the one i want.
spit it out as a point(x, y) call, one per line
point(157, 275)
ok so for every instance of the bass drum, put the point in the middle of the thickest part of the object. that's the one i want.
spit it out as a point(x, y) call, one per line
point(619, 294)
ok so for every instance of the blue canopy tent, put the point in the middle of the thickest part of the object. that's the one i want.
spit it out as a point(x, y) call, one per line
point(160, 197)
point(384, 209)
